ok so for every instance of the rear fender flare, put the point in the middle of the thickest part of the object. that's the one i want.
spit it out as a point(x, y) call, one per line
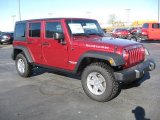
point(25, 51)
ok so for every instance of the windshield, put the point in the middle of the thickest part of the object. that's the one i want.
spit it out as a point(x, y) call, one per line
point(84, 27)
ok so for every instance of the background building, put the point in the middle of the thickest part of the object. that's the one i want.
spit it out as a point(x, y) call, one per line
point(140, 22)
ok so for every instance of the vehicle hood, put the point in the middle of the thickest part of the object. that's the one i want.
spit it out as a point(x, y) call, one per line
point(108, 41)
point(117, 41)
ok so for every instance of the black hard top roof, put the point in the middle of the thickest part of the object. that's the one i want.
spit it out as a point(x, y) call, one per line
point(51, 19)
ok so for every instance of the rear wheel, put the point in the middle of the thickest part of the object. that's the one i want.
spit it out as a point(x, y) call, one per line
point(99, 83)
point(23, 67)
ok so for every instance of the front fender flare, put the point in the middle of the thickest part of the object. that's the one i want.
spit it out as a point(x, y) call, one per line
point(117, 59)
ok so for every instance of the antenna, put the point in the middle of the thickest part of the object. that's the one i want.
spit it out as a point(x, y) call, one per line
point(71, 37)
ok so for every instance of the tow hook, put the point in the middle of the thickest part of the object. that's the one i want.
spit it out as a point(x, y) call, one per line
point(151, 66)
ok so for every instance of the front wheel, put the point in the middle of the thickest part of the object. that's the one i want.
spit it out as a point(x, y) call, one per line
point(99, 83)
point(23, 67)
point(133, 38)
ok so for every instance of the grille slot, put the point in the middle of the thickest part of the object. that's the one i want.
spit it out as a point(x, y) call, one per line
point(136, 55)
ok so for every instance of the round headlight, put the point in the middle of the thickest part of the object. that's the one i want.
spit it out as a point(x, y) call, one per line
point(125, 54)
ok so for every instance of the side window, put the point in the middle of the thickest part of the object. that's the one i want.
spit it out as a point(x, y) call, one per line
point(34, 29)
point(52, 27)
point(145, 25)
point(20, 31)
point(155, 25)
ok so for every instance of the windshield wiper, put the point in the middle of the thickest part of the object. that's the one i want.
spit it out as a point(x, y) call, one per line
point(99, 34)
point(81, 34)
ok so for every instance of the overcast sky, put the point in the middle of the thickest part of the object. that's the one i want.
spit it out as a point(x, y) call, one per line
point(97, 9)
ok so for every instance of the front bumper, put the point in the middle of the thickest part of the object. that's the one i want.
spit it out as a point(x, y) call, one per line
point(144, 37)
point(136, 72)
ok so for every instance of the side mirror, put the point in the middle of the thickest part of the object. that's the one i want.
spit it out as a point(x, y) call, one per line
point(60, 37)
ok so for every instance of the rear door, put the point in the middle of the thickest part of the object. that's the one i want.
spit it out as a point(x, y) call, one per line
point(34, 35)
point(54, 53)
point(154, 32)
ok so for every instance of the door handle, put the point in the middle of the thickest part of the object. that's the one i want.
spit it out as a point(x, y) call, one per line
point(29, 42)
point(45, 44)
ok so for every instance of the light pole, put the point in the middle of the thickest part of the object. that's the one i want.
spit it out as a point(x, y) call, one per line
point(158, 10)
point(128, 10)
point(19, 6)
point(13, 17)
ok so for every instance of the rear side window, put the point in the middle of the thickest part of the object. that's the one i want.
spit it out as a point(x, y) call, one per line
point(34, 29)
point(20, 31)
point(52, 27)
point(145, 25)
point(156, 25)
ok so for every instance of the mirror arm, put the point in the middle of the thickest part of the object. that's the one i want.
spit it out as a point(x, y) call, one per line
point(61, 41)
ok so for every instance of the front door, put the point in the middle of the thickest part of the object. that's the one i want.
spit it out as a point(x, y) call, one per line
point(54, 53)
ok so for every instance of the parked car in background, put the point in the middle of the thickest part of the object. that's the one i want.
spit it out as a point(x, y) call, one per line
point(6, 37)
point(120, 33)
point(135, 34)
point(134, 30)
point(151, 31)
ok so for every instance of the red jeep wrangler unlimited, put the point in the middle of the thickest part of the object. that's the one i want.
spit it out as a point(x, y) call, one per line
point(78, 46)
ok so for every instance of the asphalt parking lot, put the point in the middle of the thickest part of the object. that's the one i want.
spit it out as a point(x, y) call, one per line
point(50, 96)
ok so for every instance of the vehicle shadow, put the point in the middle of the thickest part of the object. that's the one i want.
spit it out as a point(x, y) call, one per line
point(136, 83)
point(39, 71)
point(139, 113)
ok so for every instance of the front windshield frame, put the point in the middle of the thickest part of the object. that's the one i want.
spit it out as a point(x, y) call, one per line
point(82, 22)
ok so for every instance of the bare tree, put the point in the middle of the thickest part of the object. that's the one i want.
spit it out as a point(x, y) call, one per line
point(112, 19)
point(119, 24)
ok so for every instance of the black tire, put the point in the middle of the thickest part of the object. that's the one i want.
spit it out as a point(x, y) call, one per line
point(112, 86)
point(27, 67)
point(133, 38)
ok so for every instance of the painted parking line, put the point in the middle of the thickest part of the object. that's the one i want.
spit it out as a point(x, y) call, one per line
point(1, 64)
point(155, 43)
point(6, 46)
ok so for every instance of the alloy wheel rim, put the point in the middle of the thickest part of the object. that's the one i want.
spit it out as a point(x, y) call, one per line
point(21, 66)
point(96, 83)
